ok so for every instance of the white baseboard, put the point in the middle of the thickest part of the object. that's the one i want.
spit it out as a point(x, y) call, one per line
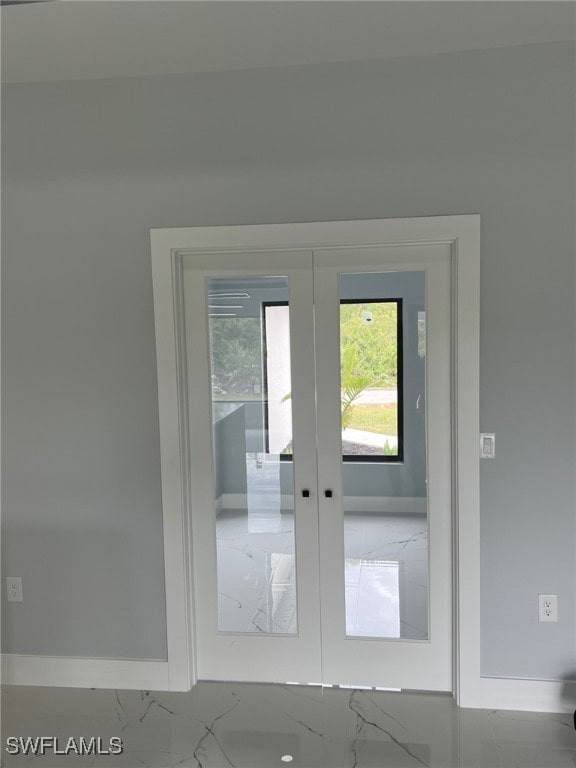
point(59, 671)
point(389, 505)
point(238, 501)
point(522, 695)
point(136, 674)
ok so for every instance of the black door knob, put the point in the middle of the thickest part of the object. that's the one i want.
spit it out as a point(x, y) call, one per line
point(306, 493)
point(328, 493)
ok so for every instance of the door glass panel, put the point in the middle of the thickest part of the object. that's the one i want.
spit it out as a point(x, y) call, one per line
point(383, 364)
point(249, 336)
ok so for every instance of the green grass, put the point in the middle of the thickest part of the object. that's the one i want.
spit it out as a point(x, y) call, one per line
point(381, 419)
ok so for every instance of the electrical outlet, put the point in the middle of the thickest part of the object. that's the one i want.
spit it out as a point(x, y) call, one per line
point(548, 607)
point(14, 589)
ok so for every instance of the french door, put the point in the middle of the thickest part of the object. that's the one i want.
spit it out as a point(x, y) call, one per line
point(319, 442)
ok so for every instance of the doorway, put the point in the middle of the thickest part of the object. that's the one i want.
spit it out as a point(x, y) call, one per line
point(321, 516)
point(312, 257)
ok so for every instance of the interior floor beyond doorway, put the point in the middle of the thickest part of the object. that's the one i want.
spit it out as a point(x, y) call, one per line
point(386, 572)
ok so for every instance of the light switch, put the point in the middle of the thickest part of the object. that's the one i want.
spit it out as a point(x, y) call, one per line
point(487, 445)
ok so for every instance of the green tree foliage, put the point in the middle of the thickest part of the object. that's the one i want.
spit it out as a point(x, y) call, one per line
point(368, 352)
point(352, 384)
point(375, 343)
point(235, 348)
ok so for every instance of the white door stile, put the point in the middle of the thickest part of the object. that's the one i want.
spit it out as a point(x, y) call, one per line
point(236, 656)
point(423, 665)
point(439, 463)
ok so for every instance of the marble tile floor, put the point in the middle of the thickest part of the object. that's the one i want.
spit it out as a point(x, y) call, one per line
point(386, 572)
point(226, 725)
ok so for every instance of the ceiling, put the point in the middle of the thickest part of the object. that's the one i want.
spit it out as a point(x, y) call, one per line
point(93, 39)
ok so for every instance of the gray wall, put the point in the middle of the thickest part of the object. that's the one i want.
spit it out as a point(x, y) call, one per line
point(89, 168)
point(229, 446)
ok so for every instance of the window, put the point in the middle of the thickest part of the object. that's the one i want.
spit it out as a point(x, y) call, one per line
point(371, 357)
point(371, 379)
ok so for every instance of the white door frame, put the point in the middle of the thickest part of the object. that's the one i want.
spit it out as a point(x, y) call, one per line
point(462, 234)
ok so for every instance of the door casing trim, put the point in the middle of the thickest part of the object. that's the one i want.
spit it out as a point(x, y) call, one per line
point(462, 234)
